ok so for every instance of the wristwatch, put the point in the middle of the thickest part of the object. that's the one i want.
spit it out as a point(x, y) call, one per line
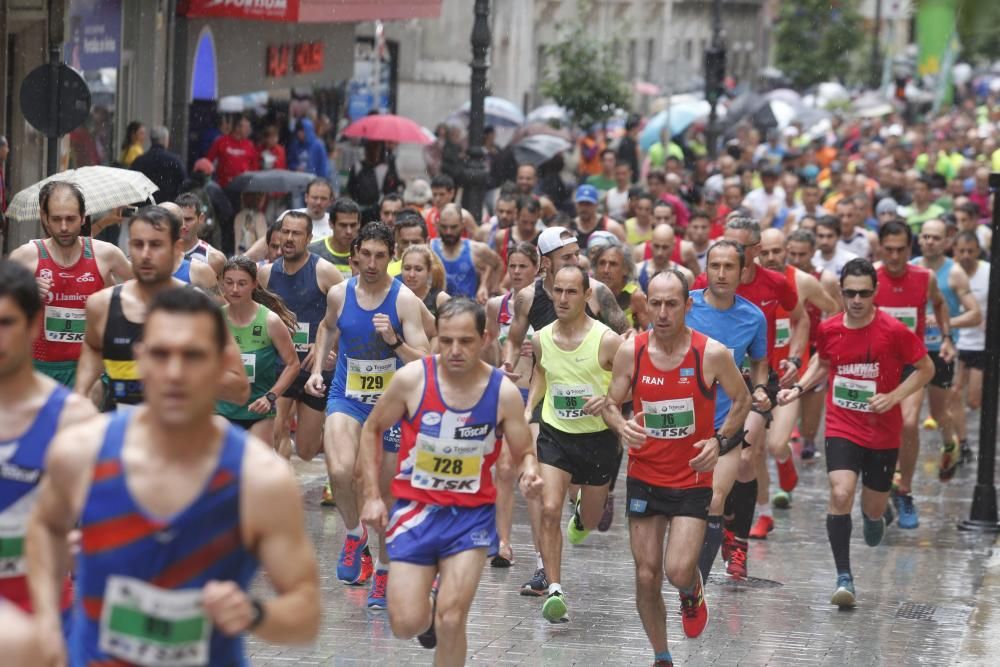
point(272, 397)
point(796, 360)
point(258, 614)
point(399, 341)
point(726, 445)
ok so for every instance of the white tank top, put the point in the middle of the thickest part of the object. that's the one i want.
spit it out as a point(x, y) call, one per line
point(617, 204)
point(973, 339)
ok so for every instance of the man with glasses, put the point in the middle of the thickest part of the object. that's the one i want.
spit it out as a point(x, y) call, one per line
point(864, 352)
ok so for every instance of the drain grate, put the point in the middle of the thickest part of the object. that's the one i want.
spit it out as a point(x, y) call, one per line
point(918, 611)
point(749, 582)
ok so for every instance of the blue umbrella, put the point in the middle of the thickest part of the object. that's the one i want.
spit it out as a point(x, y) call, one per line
point(499, 112)
point(681, 117)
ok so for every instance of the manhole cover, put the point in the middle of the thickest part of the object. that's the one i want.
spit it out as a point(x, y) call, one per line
point(917, 611)
point(749, 582)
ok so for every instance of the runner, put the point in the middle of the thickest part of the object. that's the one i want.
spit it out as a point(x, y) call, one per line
point(336, 248)
point(906, 292)
point(68, 268)
point(612, 264)
point(473, 269)
point(443, 522)
point(673, 447)
point(962, 311)
point(173, 590)
point(192, 222)
point(720, 313)
point(522, 267)
point(34, 408)
point(261, 325)
point(410, 229)
point(830, 254)
point(525, 229)
point(115, 316)
point(197, 273)
point(574, 356)
point(663, 246)
point(639, 228)
point(302, 280)
point(699, 232)
point(971, 340)
point(864, 351)
point(682, 252)
point(375, 322)
point(586, 221)
point(423, 273)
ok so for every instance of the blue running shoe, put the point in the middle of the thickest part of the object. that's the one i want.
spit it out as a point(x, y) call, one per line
point(874, 530)
point(908, 518)
point(843, 597)
point(537, 586)
point(376, 598)
point(349, 564)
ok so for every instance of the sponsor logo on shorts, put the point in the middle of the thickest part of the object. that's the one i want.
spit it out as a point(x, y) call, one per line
point(637, 505)
point(480, 538)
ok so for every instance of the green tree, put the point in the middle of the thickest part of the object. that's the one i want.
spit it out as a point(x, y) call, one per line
point(979, 29)
point(815, 39)
point(584, 77)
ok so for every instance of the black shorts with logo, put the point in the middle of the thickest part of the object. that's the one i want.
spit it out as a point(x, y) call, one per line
point(875, 466)
point(590, 458)
point(297, 391)
point(944, 372)
point(646, 500)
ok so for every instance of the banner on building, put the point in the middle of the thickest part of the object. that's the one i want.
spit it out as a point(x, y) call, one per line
point(258, 10)
point(95, 30)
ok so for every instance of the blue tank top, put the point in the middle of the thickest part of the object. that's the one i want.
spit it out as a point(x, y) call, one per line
point(19, 477)
point(183, 271)
point(365, 363)
point(932, 335)
point(303, 297)
point(139, 578)
point(462, 277)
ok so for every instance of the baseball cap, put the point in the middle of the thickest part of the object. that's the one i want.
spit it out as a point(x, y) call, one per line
point(887, 205)
point(204, 166)
point(553, 238)
point(587, 193)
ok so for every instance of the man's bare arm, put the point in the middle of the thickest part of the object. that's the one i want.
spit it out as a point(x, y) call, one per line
point(610, 312)
point(90, 366)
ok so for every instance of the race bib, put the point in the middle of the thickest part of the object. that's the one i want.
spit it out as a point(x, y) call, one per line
point(301, 337)
point(568, 400)
point(447, 465)
point(367, 380)
point(907, 315)
point(65, 325)
point(149, 626)
point(782, 331)
point(668, 420)
point(250, 365)
point(853, 394)
point(13, 521)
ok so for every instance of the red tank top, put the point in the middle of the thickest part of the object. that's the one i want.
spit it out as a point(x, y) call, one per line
point(782, 327)
point(65, 307)
point(445, 455)
point(905, 297)
point(678, 411)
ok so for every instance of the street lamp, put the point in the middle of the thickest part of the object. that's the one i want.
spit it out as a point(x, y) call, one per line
point(715, 76)
point(474, 183)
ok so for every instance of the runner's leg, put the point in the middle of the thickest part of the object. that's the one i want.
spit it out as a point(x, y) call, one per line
point(592, 499)
point(309, 432)
point(460, 574)
point(506, 478)
point(909, 449)
point(812, 412)
point(556, 481)
point(264, 429)
point(340, 444)
point(409, 594)
point(646, 536)
point(687, 534)
point(283, 427)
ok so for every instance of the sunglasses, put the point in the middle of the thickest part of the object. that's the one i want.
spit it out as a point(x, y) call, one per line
point(852, 293)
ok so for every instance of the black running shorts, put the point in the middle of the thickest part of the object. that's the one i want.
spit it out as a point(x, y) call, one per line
point(297, 391)
point(645, 500)
point(875, 466)
point(944, 372)
point(973, 359)
point(590, 458)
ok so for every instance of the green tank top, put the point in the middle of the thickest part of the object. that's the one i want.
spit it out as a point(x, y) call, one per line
point(572, 377)
point(260, 361)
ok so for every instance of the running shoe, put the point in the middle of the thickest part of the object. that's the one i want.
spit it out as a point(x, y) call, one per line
point(966, 455)
point(930, 424)
point(795, 434)
point(694, 611)
point(575, 532)
point(349, 565)
point(728, 538)
point(376, 598)
point(327, 499)
point(874, 529)
point(736, 568)
point(788, 478)
point(950, 458)
point(764, 525)
point(367, 566)
point(907, 511)
point(663, 663)
point(554, 609)
point(538, 586)
point(428, 638)
point(843, 597)
point(501, 561)
point(782, 500)
point(609, 513)
point(808, 450)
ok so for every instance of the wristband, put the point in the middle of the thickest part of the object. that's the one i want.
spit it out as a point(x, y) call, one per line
point(797, 361)
point(399, 341)
point(760, 386)
point(258, 614)
point(799, 387)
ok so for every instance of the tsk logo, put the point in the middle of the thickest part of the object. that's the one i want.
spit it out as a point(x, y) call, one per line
point(87, 277)
point(475, 432)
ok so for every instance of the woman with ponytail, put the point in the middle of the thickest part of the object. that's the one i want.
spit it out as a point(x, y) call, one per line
point(262, 326)
point(423, 272)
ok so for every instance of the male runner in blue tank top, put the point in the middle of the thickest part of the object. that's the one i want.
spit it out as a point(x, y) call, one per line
point(302, 279)
point(176, 509)
point(33, 408)
point(376, 323)
point(473, 269)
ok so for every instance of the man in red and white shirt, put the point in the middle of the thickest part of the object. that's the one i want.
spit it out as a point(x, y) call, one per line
point(233, 153)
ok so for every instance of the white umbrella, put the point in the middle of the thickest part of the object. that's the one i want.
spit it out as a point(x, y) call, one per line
point(104, 188)
point(547, 113)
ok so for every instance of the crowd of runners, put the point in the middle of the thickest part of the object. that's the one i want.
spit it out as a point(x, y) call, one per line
point(693, 326)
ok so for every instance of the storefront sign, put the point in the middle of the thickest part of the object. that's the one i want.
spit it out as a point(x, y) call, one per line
point(95, 28)
point(301, 58)
point(260, 10)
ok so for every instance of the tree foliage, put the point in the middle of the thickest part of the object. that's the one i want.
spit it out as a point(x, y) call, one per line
point(584, 77)
point(979, 29)
point(815, 39)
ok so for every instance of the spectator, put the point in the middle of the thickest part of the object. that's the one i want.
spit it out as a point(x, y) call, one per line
point(604, 179)
point(272, 153)
point(453, 155)
point(161, 166)
point(628, 147)
point(234, 153)
point(216, 206)
point(132, 147)
point(221, 126)
point(370, 179)
point(592, 157)
point(306, 152)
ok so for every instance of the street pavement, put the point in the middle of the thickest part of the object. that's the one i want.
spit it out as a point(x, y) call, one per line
point(928, 596)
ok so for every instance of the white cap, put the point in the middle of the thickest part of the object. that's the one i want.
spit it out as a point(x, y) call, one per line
point(552, 239)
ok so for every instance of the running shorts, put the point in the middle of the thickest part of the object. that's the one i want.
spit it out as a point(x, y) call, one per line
point(245, 424)
point(297, 390)
point(645, 500)
point(590, 458)
point(424, 534)
point(875, 466)
point(360, 412)
point(973, 359)
point(944, 372)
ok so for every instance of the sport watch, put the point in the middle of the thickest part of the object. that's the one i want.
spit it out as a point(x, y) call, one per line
point(270, 396)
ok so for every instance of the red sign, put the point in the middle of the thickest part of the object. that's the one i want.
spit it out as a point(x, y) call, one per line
point(302, 58)
point(260, 10)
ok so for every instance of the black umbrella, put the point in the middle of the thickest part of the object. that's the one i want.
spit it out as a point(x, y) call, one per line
point(539, 148)
point(271, 180)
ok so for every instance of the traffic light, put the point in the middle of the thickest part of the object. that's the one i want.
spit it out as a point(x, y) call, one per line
point(715, 73)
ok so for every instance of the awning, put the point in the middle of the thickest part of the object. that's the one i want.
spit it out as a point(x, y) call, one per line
point(310, 11)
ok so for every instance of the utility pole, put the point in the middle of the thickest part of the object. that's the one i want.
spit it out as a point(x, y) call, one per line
point(715, 75)
point(474, 185)
point(876, 73)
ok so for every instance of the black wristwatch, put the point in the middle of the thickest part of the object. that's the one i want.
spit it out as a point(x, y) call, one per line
point(799, 387)
point(796, 360)
point(726, 445)
point(399, 341)
point(271, 397)
point(258, 614)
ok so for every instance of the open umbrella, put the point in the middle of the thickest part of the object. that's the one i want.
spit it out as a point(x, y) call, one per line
point(499, 112)
point(773, 114)
point(387, 127)
point(681, 116)
point(539, 148)
point(531, 129)
point(104, 188)
point(871, 105)
point(271, 180)
point(548, 113)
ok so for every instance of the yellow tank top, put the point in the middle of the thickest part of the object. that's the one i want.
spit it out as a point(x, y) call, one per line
point(632, 234)
point(572, 377)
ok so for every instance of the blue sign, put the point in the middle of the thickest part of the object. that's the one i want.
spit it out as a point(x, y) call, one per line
point(94, 39)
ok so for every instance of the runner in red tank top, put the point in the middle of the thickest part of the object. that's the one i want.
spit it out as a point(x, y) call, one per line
point(904, 291)
point(672, 373)
point(863, 353)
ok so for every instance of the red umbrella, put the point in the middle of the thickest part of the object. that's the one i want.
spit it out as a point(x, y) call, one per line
point(387, 127)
